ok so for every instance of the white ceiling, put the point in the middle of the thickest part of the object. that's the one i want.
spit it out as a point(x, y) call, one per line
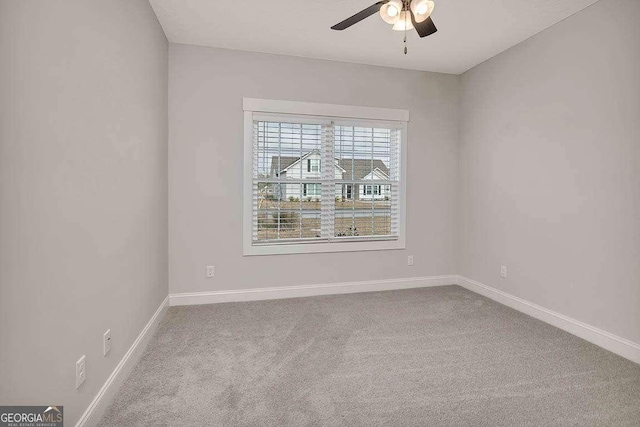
point(469, 31)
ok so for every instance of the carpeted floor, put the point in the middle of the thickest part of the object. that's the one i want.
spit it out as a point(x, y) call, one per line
point(423, 357)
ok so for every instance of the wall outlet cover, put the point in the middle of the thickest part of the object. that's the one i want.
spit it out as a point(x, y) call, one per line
point(211, 271)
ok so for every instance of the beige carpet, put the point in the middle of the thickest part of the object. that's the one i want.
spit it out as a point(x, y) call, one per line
point(422, 357)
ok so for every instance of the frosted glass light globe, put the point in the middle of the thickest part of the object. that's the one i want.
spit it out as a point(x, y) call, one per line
point(422, 9)
point(390, 12)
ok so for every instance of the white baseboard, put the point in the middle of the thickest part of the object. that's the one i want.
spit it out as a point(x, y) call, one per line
point(102, 400)
point(255, 294)
point(613, 343)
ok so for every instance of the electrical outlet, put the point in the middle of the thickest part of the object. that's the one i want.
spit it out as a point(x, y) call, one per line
point(106, 342)
point(81, 371)
point(211, 271)
point(503, 271)
point(410, 260)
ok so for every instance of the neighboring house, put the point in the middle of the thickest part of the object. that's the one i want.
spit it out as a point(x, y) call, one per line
point(308, 167)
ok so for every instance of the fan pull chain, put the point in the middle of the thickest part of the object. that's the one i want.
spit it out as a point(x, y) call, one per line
point(405, 35)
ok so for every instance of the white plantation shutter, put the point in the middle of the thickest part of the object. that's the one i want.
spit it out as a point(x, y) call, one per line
point(359, 177)
point(280, 210)
point(370, 157)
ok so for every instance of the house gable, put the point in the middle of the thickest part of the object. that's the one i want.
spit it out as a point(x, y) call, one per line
point(377, 174)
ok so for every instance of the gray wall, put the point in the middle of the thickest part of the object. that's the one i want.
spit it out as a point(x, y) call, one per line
point(83, 190)
point(550, 169)
point(206, 87)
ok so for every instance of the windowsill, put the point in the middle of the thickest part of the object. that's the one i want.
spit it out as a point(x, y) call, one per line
point(313, 248)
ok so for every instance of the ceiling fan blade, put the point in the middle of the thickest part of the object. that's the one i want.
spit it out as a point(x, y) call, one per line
point(424, 28)
point(360, 16)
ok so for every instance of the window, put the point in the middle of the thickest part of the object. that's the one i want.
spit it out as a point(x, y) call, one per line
point(348, 191)
point(323, 178)
point(311, 189)
point(313, 165)
point(372, 190)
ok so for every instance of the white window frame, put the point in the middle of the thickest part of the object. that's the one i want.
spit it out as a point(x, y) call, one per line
point(370, 116)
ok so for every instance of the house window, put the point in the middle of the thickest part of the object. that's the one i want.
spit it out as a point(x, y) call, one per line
point(313, 165)
point(312, 189)
point(323, 178)
point(348, 191)
point(372, 190)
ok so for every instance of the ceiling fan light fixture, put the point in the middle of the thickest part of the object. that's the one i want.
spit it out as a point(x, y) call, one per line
point(404, 22)
point(399, 13)
point(422, 9)
point(390, 12)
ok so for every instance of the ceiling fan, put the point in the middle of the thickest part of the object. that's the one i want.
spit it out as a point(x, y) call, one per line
point(402, 14)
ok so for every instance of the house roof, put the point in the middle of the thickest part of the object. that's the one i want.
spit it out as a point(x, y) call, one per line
point(359, 167)
point(285, 162)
